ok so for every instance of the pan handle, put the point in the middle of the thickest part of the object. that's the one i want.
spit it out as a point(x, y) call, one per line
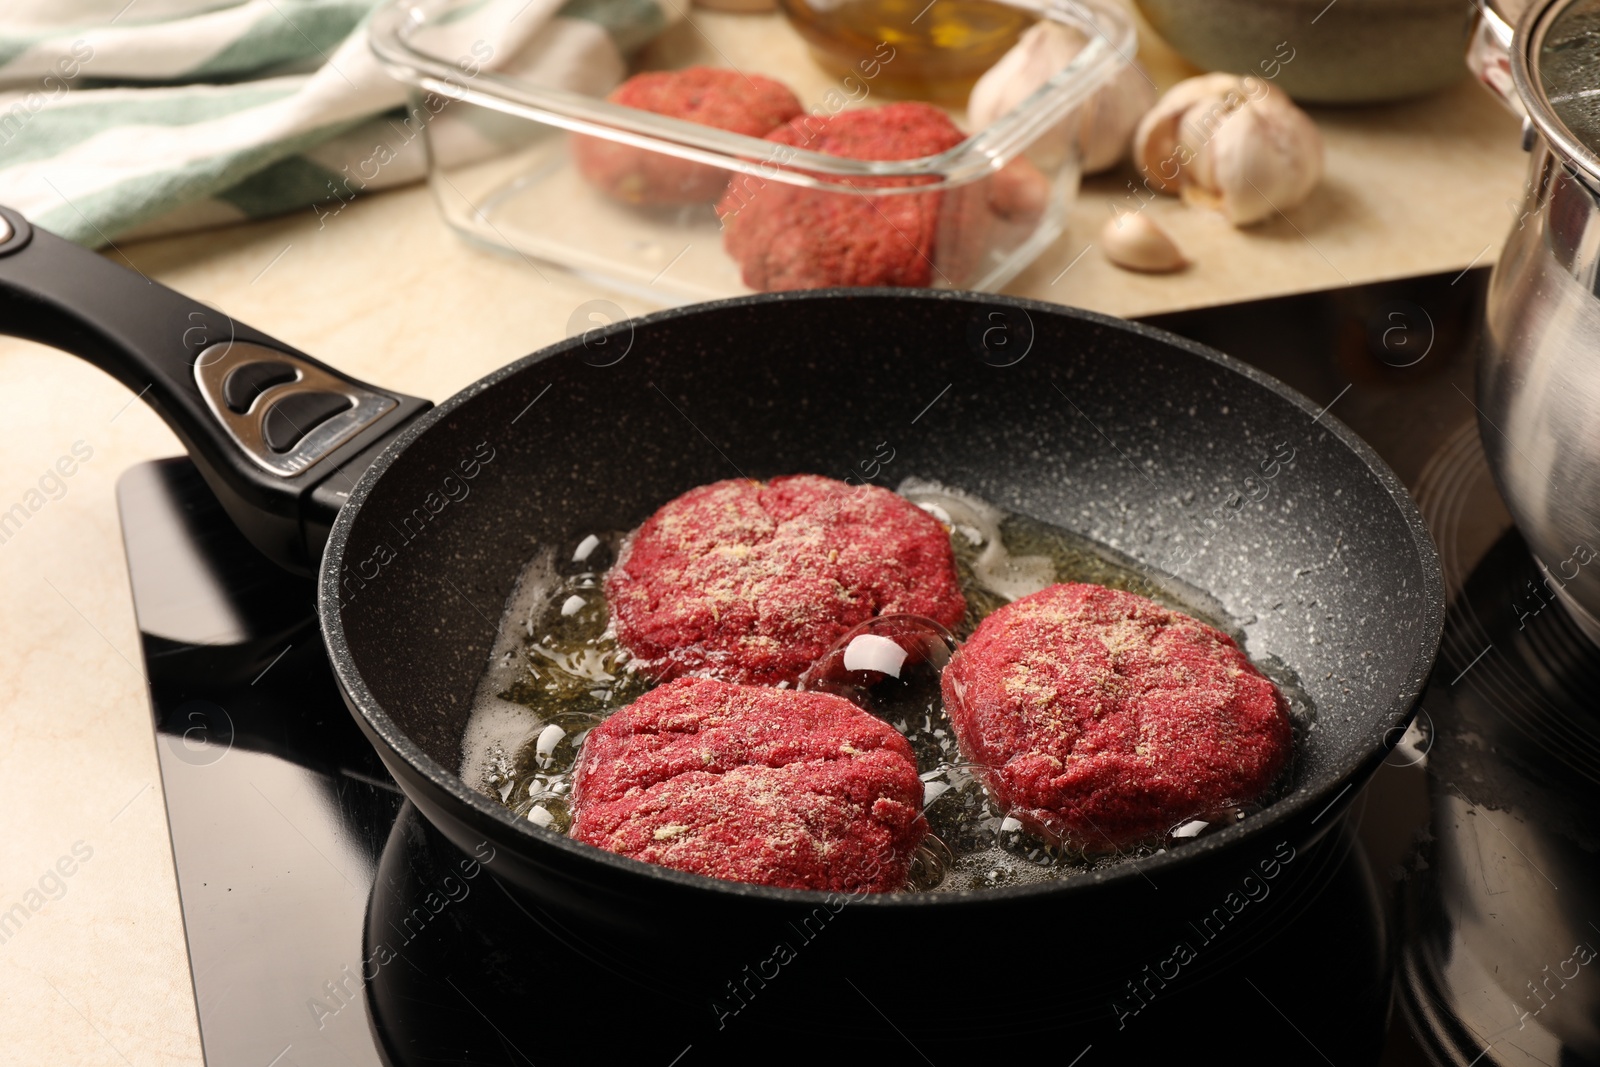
point(1489, 48)
point(279, 437)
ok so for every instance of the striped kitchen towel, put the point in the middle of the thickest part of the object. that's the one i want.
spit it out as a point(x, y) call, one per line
point(135, 117)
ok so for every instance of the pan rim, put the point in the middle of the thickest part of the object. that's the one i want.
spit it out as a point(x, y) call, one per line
point(1284, 811)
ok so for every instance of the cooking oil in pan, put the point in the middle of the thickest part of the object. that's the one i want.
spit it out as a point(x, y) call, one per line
point(556, 671)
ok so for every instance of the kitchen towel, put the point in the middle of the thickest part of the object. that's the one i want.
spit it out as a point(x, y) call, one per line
point(126, 118)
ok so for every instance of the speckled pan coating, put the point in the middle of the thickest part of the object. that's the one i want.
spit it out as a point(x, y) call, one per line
point(1160, 448)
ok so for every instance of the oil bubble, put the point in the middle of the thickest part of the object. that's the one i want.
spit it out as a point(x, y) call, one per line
point(1207, 823)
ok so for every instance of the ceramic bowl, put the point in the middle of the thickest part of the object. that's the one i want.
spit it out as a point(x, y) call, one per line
point(1343, 52)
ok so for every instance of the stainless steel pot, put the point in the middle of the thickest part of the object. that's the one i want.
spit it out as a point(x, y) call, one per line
point(1539, 360)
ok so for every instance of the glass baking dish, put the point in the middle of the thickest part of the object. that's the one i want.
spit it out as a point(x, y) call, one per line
point(502, 168)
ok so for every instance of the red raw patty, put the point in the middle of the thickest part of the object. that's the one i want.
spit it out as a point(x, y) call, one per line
point(1103, 719)
point(712, 96)
point(752, 784)
point(752, 582)
point(790, 237)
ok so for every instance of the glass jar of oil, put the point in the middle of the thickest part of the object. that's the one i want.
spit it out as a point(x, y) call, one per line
point(925, 49)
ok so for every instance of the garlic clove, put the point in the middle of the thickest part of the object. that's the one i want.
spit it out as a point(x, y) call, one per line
point(1103, 125)
point(1135, 241)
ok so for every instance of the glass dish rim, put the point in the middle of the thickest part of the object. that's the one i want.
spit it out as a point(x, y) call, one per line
point(1112, 41)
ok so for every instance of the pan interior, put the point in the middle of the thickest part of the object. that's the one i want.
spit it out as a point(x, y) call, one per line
point(1184, 462)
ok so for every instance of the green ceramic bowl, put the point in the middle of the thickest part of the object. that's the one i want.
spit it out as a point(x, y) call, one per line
point(1344, 52)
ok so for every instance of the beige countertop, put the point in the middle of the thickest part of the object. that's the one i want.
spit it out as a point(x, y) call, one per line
point(97, 971)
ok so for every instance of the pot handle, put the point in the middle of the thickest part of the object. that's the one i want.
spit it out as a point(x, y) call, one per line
point(1489, 53)
point(279, 437)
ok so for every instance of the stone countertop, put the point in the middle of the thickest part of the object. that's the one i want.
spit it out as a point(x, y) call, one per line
point(97, 972)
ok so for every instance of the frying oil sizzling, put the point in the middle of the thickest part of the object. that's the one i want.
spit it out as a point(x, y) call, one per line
point(557, 670)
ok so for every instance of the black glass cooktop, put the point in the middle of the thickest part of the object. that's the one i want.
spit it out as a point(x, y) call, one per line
point(328, 924)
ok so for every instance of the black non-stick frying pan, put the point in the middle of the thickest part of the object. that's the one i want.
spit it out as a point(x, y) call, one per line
point(1176, 455)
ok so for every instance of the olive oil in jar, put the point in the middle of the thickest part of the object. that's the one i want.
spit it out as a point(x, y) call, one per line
point(909, 48)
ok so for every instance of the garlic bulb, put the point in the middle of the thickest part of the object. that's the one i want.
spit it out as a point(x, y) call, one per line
point(1107, 120)
point(1263, 160)
point(1104, 123)
point(1234, 145)
point(1155, 141)
point(1042, 50)
point(1135, 241)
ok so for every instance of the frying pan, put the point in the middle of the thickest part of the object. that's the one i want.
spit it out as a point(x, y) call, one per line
point(1184, 459)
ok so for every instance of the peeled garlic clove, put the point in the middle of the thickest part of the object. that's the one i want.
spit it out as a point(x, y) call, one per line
point(1258, 160)
point(1156, 149)
point(1137, 242)
point(1104, 123)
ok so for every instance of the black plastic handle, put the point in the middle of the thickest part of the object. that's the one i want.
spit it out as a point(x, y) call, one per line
point(155, 341)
